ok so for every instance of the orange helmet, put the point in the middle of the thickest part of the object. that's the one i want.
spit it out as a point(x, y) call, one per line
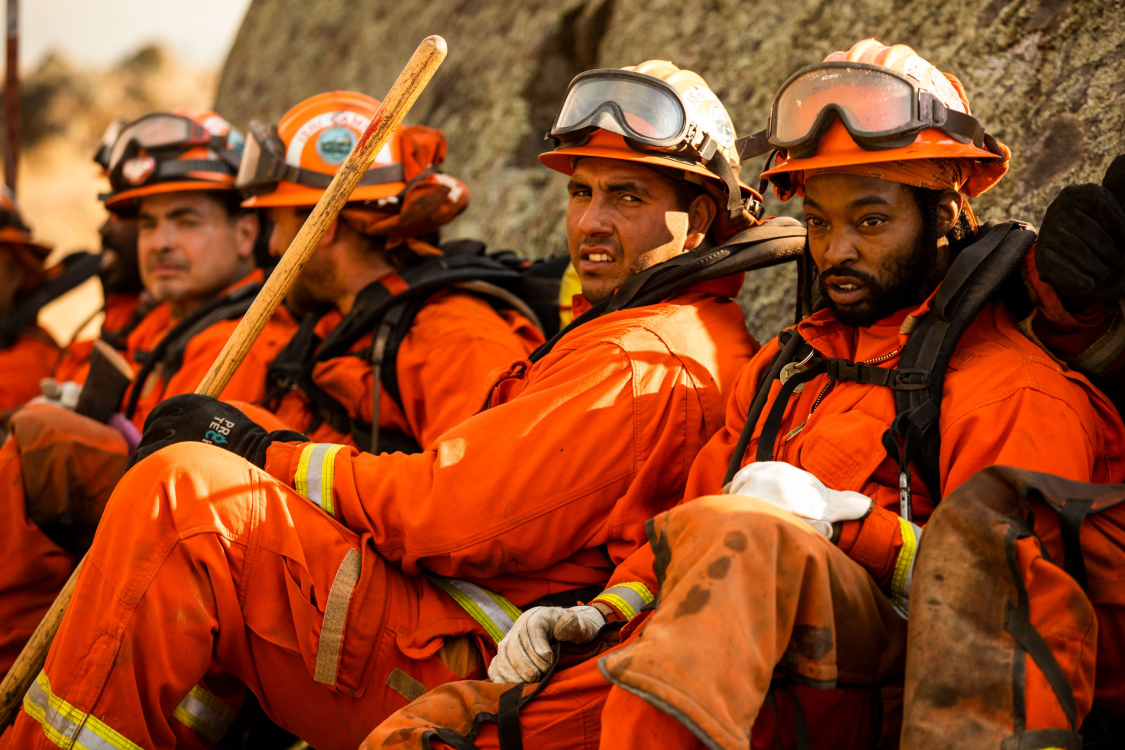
point(169, 152)
point(402, 193)
point(879, 111)
point(655, 114)
point(15, 237)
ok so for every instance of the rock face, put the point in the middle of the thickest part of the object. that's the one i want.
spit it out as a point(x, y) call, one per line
point(1047, 77)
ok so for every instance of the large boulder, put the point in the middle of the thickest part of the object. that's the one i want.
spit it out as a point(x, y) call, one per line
point(1047, 77)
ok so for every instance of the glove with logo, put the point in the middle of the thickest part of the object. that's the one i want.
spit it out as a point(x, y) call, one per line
point(1080, 251)
point(801, 493)
point(192, 418)
point(527, 651)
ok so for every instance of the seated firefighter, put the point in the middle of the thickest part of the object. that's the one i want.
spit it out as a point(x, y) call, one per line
point(174, 176)
point(783, 601)
point(441, 344)
point(27, 352)
point(338, 585)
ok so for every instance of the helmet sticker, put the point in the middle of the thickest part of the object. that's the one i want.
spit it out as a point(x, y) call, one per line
point(335, 143)
point(711, 114)
point(138, 169)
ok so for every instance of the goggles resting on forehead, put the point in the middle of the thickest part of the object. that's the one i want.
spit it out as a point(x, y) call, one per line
point(648, 112)
point(880, 108)
point(164, 131)
point(109, 138)
point(263, 166)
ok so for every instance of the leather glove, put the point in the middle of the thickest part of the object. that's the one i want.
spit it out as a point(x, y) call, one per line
point(1081, 247)
point(527, 651)
point(801, 493)
point(192, 418)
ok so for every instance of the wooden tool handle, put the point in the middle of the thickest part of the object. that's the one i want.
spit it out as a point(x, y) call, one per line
point(401, 97)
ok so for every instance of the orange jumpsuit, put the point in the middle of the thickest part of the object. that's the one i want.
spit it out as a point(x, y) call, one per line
point(1005, 402)
point(88, 458)
point(339, 608)
point(443, 366)
point(23, 364)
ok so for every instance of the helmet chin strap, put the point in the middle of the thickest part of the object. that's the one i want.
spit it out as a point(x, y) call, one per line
point(720, 166)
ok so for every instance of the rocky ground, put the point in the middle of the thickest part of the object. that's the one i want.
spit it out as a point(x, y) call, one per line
point(1046, 76)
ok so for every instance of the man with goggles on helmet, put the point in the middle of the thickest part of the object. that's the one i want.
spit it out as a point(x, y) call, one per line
point(172, 179)
point(340, 585)
point(799, 574)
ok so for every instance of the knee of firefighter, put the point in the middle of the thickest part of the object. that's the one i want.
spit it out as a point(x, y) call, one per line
point(743, 522)
point(189, 485)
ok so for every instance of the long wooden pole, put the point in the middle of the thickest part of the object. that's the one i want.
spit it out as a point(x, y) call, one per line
point(402, 96)
point(12, 96)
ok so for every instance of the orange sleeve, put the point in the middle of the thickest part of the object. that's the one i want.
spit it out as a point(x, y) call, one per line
point(517, 487)
point(1028, 429)
point(22, 366)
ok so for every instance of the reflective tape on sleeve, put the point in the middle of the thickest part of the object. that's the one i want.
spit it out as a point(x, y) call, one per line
point(628, 598)
point(203, 713)
point(1102, 353)
point(66, 726)
point(315, 473)
point(904, 567)
point(494, 613)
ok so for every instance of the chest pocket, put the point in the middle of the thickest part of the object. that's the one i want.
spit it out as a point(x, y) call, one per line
point(844, 450)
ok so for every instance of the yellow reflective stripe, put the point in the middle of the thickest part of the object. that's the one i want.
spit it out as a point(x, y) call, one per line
point(494, 613)
point(904, 566)
point(66, 726)
point(316, 472)
point(203, 712)
point(628, 598)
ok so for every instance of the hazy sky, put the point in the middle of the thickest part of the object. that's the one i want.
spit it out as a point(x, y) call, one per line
point(97, 32)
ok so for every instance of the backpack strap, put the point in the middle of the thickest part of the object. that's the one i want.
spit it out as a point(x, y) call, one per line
point(77, 268)
point(169, 352)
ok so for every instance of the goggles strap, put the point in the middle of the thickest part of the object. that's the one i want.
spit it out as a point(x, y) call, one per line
point(719, 165)
point(313, 179)
point(751, 146)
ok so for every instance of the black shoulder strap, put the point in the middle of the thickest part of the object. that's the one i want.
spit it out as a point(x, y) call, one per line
point(976, 275)
point(170, 351)
point(770, 244)
point(77, 268)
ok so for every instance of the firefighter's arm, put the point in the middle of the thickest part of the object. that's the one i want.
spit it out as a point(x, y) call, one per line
point(516, 487)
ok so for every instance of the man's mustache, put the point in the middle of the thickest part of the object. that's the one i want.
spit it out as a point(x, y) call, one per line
point(862, 277)
point(167, 260)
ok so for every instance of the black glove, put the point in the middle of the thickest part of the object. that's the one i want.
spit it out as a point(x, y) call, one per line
point(1081, 247)
point(192, 418)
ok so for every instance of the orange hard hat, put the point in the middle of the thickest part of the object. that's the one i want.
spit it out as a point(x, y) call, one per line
point(402, 194)
point(655, 114)
point(170, 152)
point(853, 91)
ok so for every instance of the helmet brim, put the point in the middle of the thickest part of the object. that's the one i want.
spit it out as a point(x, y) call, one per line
point(291, 195)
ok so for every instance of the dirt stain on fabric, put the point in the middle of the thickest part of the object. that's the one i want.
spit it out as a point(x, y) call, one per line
point(718, 570)
point(811, 641)
point(735, 540)
point(695, 600)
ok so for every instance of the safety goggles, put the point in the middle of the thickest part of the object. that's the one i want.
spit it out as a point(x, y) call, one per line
point(880, 108)
point(109, 139)
point(165, 132)
point(648, 112)
point(263, 166)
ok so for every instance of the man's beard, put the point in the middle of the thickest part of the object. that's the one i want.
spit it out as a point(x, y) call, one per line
point(909, 281)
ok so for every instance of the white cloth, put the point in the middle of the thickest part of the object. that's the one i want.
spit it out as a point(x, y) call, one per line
point(801, 493)
point(527, 651)
point(61, 394)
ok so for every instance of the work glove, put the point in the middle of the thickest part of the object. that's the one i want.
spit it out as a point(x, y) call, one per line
point(1081, 247)
point(192, 418)
point(800, 493)
point(527, 651)
point(60, 394)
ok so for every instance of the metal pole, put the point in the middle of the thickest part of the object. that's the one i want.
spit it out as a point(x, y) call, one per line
point(12, 96)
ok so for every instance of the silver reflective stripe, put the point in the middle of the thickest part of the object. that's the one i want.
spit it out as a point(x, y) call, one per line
point(66, 726)
point(204, 714)
point(1103, 351)
point(629, 598)
point(335, 616)
point(316, 473)
point(494, 613)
